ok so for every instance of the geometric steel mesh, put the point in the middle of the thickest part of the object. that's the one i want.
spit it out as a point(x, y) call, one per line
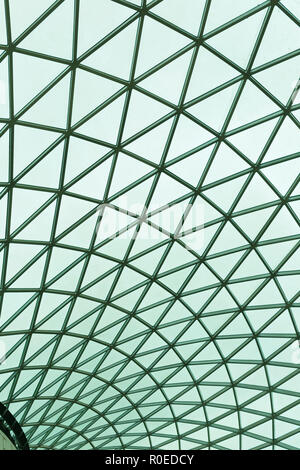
point(132, 341)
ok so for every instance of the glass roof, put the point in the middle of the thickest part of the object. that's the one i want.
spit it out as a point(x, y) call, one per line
point(149, 236)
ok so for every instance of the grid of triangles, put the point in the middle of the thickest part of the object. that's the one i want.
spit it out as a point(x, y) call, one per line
point(133, 341)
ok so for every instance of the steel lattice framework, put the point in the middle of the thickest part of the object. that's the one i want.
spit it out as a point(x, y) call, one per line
point(11, 428)
point(134, 343)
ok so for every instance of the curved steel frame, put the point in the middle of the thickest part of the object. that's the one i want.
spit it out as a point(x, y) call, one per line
point(12, 426)
point(176, 110)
